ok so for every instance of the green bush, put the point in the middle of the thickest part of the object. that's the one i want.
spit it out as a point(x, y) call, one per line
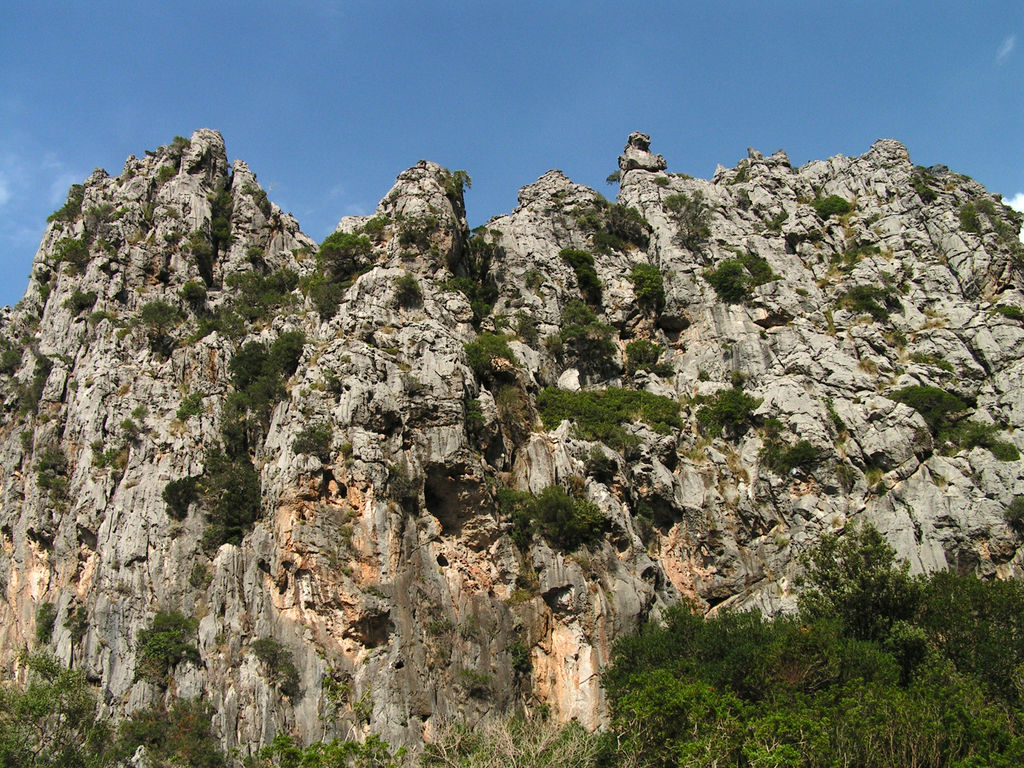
point(194, 294)
point(921, 181)
point(72, 207)
point(401, 487)
point(10, 359)
point(972, 434)
point(692, 217)
point(969, 219)
point(419, 233)
point(484, 350)
point(730, 410)
point(940, 409)
point(260, 297)
point(45, 618)
point(729, 280)
point(584, 339)
point(314, 440)
point(78, 302)
point(833, 205)
point(620, 225)
point(221, 206)
point(600, 414)
point(582, 264)
point(871, 300)
point(52, 720)
point(30, 394)
point(600, 465)
point(933, 360)
point(376, 227)
point(181, 736)
point(168, 642)
point(408, 291)
point(52, 469)
point(733, 278)
point(944, 413)
point(373, 753)
point(231, 495)
point(456, 183)
point(345, 256)
point(201, 249)
point(855, 578)
point(1014, 313)
point(783, 459)
point(614, 226)
point(565, 523)
point(1014, 514)
point(259, 372)
point(72, 251)
point(978, 626)
point(325, 294)
point(879, 669)
point(160, 318)
point(649, 287)
point(179, 495)
point(277, 661)
point(759, 271)
point(644, 355)
point(480, 295)
point(191, 406)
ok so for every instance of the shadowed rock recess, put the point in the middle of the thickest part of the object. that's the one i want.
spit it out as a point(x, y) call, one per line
point(418, 472)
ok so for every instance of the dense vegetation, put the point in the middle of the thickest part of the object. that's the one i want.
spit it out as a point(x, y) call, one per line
point(600, 414)
point(878, 669)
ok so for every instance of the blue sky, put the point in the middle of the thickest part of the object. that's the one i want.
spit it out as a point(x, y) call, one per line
point(329, 101)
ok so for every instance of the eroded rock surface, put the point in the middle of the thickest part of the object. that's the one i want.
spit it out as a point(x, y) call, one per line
point(384, 557)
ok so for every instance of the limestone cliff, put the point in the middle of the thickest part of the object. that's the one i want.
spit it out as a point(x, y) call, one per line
point(205, 413)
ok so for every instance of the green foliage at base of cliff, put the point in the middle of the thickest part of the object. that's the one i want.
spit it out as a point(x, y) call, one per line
point(879, 668)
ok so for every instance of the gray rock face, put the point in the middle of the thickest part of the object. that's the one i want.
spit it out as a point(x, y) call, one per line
point(386, 556)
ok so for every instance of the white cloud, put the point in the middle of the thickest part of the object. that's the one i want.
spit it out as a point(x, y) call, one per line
point(1006, 48)
point(5, 189)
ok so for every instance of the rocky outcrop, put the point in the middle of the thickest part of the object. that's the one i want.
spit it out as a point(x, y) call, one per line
point(291, 447)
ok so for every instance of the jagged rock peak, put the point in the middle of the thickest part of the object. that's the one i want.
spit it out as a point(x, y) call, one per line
point(637, 155)
point(555, 185)
point(888, 152)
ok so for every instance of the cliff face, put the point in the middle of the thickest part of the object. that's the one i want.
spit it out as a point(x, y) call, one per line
point(293, 446)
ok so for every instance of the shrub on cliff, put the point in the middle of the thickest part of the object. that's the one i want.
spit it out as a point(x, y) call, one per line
point(168, 642)
point(344, 256)
point(565, 522)
point(649, 287)
point(730, 411)
point(582, 264)
point(692, 218)
point(484, 350)
point(833, 205)
point(277, 661)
